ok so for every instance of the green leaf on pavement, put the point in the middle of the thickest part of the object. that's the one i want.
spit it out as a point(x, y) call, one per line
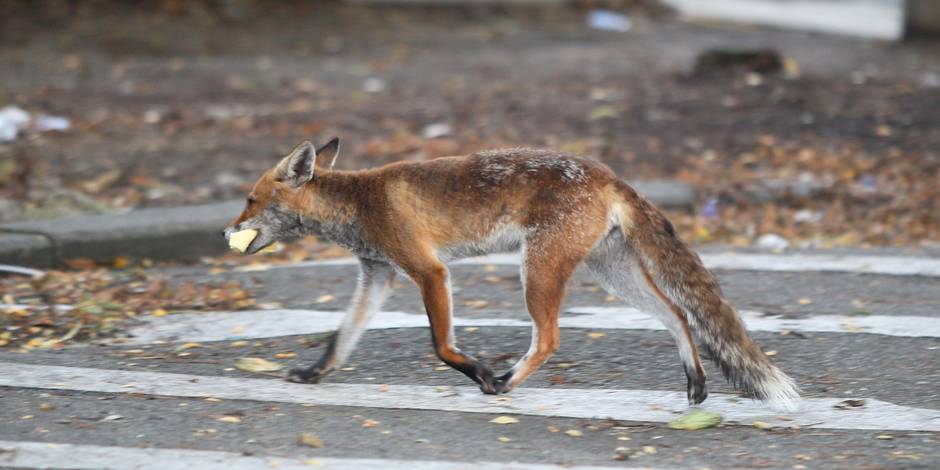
point(694, 420)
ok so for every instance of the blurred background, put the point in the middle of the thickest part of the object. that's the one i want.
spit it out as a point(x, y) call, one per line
point(769, 122)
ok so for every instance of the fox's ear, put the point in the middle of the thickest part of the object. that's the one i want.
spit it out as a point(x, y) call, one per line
point(326, 155)
point(297, 168)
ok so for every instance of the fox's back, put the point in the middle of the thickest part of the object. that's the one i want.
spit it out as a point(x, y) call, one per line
point(489, 200)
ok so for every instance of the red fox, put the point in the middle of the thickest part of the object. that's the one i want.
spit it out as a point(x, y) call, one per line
point(557, 209)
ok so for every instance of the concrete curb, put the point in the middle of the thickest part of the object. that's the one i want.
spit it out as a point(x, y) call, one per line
point(181, 233)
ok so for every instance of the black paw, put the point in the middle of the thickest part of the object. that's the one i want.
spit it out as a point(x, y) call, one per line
point(305, 376)
point(697, 390)
point(502, 382)
point(484, 377)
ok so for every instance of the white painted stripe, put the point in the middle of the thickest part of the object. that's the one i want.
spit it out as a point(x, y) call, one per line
point(77, 457)
point(250, 324)
point(877, 20)
point(628, 405)
point(890, 265)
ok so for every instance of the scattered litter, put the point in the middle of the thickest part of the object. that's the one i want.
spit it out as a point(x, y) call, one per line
point(34, 273)
point(43, 123)
point(773, 242)
point(710, 209)
point(437, 130)
point(373, 85)
point(14, 120)
point(695, 420)
point(606, 20)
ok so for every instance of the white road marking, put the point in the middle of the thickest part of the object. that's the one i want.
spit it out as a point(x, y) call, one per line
point(628, 405)
point(73, 456)
point(889, 265)
point(869, 19)
point(251, 324)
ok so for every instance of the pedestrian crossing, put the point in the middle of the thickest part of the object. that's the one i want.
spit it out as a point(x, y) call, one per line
point(640, 405)
point(634, 405)
point(255, 324)
point(26, 454)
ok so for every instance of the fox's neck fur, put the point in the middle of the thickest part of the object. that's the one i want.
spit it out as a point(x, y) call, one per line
point(333, 214)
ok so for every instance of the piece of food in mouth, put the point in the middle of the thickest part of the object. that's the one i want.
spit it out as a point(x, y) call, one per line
point(240, 240)
point(272, 248)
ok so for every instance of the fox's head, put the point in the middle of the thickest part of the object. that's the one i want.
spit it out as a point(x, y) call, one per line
point(279, 202)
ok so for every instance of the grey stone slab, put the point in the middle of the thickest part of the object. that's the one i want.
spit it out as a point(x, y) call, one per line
point(175, 233)
point(25, 249)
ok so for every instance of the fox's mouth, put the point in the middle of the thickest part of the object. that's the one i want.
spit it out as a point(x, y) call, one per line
point(258, 244)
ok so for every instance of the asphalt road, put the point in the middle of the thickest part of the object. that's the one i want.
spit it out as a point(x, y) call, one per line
point(254, 420)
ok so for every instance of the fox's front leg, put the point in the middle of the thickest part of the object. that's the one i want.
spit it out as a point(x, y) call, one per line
point(375, 282)
point(433, 278)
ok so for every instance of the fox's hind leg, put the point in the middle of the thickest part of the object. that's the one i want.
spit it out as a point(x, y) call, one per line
point(614, 264)
point(547, 263)
point(375, 282)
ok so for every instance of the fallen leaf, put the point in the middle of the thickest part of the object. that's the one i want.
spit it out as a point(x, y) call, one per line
point(369, 423)
point(313, 462)
point(476, 303)
point(804, 301)
point(697, 419)
point(159, 312)
point(255, 364)
point(596, 334)
point(884, 437)
point(503, 439)
point(770, 353)
point(285, 355)
point(309, 440)
point(553, 429)
point(325, 298)
point(574, 433)
point(504, 420)
point(442, 368)
point(229, 419)
point(761, 425)
point(649, 449)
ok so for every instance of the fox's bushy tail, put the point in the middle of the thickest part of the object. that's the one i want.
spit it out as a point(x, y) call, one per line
point(680, 274)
